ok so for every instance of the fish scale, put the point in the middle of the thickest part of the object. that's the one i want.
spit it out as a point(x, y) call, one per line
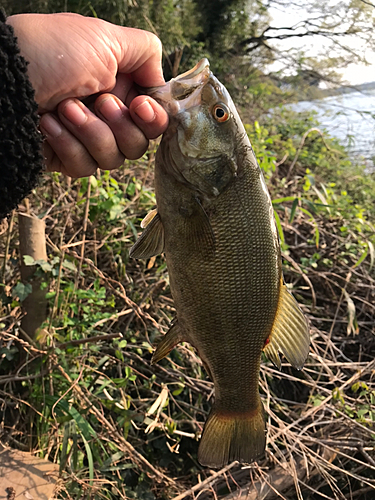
point(214, 222)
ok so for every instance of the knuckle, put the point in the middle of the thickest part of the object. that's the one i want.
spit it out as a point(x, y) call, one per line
point(112, 165)
point(155, 44)
point(135, 153)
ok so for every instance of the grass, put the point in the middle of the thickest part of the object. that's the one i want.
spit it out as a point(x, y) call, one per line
point(83, 393)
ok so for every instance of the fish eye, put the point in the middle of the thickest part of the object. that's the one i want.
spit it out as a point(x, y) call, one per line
point(221, 113)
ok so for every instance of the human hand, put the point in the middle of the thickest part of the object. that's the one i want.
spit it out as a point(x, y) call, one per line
point(72, 58)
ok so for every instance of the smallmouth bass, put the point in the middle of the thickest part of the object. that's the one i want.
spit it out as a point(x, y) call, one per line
point(214, 221)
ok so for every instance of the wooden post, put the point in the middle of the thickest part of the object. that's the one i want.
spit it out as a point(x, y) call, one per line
point(32, 243)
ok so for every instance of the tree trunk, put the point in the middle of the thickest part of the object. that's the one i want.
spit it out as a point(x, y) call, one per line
point(32, 243)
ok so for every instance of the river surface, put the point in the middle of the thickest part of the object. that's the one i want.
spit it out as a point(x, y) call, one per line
point(350, 118)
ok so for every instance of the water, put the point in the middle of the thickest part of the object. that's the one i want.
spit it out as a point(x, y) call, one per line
point(350, 118)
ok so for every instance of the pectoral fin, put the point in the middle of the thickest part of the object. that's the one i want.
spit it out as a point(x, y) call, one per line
point(146, 221)
point(290, 332)
point(168, 342)
point(151, 241)
point(198, 231)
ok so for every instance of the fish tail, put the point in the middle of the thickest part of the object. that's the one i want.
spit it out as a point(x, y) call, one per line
point(230, 436)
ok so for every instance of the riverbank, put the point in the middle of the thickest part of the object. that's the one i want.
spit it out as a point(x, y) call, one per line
point(350, 117)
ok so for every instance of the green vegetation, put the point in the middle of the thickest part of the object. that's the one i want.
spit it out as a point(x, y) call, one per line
point(83, 393)
point(239, 36)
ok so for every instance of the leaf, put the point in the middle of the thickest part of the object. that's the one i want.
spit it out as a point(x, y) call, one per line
point(118, 467)
point(312, 206)
point(64, 448)
point(321, 198)
point(372, 254)
point(45, 266)
point(355, 387)
point(85, 429)
point(293, 210)
point(90, 460)
point(307, 213)
point(119, 355)
point(178, 391)
point(362, 412)
point(22, 290)
point(69, 265)
point(361, 259)
point(28, 260)
point(75, 451)
point(311, 179)
point(317, 236)
point(115, 211)
point(93, 181)
point(159, 403)
point(113, 458)
point(157, 408)
point(279, 228)
point(352, 321)
point(282, 200)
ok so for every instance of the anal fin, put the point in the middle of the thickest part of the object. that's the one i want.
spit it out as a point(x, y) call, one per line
point(168, 342)
point(151, 241)
point(290, 332)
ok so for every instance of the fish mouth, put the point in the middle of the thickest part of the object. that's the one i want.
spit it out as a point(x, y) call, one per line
point(184, 85)
point(200, 67)
point(182, 91)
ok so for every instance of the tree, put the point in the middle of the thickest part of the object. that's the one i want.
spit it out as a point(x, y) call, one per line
point(239, 36)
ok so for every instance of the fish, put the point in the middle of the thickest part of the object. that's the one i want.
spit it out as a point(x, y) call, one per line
point(214, 221)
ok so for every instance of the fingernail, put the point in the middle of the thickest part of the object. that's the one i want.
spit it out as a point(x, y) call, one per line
point(110, 109)
point(145, 112)
point(74, 113)
point(50, 127)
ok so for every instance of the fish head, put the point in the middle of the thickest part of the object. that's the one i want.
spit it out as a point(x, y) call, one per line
point(200, 146)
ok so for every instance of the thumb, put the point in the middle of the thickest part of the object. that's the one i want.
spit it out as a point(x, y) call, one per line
point(139, 54)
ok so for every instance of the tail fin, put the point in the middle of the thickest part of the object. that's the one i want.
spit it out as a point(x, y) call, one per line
point(230, 436)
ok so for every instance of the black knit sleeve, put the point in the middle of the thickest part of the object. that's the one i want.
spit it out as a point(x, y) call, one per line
point(21, 160)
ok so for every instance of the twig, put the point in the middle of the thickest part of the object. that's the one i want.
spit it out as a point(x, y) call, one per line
point(304, 277)
point(313, 129)
point(90, 340)
point(7, 245)
point(84, 229)
point(206, 482)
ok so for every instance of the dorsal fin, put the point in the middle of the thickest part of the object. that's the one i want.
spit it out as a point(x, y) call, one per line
point(151, 241)
point(290, 332)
